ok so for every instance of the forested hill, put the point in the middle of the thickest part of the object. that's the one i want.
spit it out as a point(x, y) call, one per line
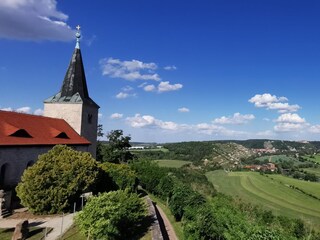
point(219, 151)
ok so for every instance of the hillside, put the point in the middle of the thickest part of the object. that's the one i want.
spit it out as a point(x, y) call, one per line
point(273, 193)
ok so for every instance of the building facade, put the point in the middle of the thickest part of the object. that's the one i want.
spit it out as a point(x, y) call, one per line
point(70, 118)
point(73, 104)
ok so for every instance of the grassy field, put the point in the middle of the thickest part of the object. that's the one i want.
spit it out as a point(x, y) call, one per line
point(150, 150)
point(314, 158)
point(73, 234)
point(172, 163)
point(271, 194)
point(312, 188)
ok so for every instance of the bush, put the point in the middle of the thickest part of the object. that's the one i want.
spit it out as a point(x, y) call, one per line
point(182, 198)
point(122, 175)
point(113, 215)
point(58, 179)
point(149, 174)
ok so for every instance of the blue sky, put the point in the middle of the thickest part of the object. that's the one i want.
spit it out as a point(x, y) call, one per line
point(168, 71)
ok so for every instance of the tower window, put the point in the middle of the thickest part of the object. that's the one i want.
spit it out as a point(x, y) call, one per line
point(90, 118)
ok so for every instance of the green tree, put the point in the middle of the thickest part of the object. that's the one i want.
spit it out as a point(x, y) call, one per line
point(116, 151)
point(58, 179)
point(113, 215)
point(123, 176)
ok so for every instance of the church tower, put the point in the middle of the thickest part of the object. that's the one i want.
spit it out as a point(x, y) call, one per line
point(73, 103)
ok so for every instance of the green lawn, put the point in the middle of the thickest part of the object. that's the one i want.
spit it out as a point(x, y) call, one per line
point(308, 187)
point(73, 234)
point(150, 150)
point(270, 194)
point(313, 158)
point(35, 233)
point(172, 163)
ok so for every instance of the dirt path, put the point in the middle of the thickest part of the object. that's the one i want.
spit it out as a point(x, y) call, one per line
point(168, 227)
point(56, 223)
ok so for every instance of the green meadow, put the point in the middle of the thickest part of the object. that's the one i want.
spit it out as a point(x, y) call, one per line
point(313, 158)
point(172, 163)
point(272, 193)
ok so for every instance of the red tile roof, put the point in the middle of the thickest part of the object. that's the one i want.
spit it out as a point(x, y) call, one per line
point(15, 127)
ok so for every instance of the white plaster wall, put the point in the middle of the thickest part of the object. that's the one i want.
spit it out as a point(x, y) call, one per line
point(18, 157)
point(70, 112)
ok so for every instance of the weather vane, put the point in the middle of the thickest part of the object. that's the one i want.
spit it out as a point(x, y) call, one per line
point(78, 35)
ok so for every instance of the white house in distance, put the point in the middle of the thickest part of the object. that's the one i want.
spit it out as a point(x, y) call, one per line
point(70, 118)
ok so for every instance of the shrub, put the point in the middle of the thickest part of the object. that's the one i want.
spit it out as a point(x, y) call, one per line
point(57, 180)
point(182, 198)
point(113, 215)
point(122, 175)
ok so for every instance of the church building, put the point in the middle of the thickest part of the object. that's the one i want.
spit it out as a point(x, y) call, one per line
point(70, 118)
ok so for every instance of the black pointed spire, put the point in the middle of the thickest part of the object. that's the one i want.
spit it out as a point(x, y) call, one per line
point(74, 87)
point(75, 78)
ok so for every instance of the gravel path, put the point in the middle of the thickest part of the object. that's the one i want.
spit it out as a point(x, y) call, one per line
point(56, 223)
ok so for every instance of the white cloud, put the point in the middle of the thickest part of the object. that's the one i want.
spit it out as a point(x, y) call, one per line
point(127, 89)
point(162, 87)
point(290, 118)
point(184, 110)
point(212, 129)
point(283, 107)
point(149, 88)
point(28, 110)
point(23, 110)
point(139, 121)
point(237, 118)
point(272, 102)
point(100, 115)
point(9, 109)
point(172, 67)
point(38, 111)
point(265, 99)
point(33, 20)
point(290, 122)
point(124, 95)
point(116, 116)
point(166, 86)
point(289, 127)
point(129, 70)
point(315, 129)
point(266, 119)
point(148, 121)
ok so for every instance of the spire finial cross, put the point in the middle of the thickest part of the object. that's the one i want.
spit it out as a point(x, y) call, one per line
point(78, 35)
